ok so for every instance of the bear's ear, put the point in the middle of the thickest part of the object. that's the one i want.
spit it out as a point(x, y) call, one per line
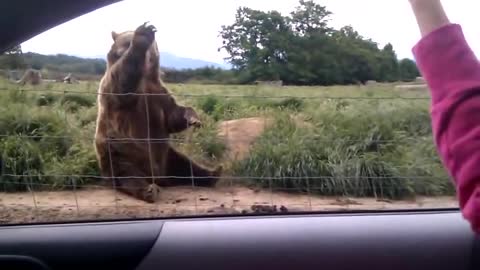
point(114, 35)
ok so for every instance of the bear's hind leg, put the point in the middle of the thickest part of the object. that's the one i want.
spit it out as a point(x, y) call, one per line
point(179, 165)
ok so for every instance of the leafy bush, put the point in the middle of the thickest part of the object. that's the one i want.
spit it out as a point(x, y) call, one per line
point(290, 103)
point(87, 116)
point(219, 108)
point(73, 102)
point(39, 140)
point(22, 164)
point(204, 143)
point(208, 104)
point(46, 99)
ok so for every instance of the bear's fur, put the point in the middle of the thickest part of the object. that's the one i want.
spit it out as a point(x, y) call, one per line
point(136, 114)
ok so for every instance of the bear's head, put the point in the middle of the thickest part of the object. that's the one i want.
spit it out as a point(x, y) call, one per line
point(121, 44)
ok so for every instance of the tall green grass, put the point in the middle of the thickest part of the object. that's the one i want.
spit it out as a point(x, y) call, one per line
point(351, 145)
point(41, 140)
point(363, 149)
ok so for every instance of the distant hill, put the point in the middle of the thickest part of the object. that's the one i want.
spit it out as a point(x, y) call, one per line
point(96, 65)
point(172, 61)
point(65, 63)
point(169, 60)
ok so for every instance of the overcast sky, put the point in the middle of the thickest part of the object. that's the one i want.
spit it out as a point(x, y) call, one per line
point(190, 28)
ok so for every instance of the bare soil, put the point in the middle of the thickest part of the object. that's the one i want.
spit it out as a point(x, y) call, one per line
point(95, 204)
point(240, 134)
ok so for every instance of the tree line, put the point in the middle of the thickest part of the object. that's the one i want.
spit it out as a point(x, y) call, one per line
point(303, 49)
point(17, 60)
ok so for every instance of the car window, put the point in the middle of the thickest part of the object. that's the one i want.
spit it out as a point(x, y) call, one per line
point(277, 107)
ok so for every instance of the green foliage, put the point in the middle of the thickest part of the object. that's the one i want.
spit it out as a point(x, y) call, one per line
point(290, 103)
point(73, 102)
point(209, 144)
point(46, 99)
point(408, 70)
point(218, 108)
point(309, 17)
point(53, 67)
point(87, 116)
point(302, 49)
point(71, 169)
point(40, 139)
point(209, 104)
point(21, 164)
point(13, 58)
point(65, 63)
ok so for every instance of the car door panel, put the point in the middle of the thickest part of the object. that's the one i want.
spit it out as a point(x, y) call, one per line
point(81, 246)
point(407, 240)
point(423, 241)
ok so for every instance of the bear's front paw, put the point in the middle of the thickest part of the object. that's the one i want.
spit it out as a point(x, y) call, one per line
point(144, 36)
point(192, 118)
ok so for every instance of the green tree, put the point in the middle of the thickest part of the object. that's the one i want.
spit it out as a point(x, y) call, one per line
point(309, 18)
point(408, 70)
point(257, 42)
point(12, 58)
point(357, 55)
point(389, 65)
point(303, 49)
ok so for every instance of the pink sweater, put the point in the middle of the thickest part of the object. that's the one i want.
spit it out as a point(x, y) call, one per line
point(453, 75)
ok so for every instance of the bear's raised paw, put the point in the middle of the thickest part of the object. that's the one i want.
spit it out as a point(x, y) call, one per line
point(144, 36)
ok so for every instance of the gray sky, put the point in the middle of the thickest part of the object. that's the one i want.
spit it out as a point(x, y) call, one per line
point(189, 28)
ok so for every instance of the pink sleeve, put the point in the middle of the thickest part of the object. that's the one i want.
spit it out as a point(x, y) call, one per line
point(453, 75)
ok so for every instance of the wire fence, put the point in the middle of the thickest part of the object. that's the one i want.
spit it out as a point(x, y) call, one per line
point(359, 155)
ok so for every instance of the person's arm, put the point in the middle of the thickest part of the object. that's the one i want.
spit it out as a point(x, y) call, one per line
point(452, 73)
point(429, 14)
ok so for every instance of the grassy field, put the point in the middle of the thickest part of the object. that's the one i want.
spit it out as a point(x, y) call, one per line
point(372, 141)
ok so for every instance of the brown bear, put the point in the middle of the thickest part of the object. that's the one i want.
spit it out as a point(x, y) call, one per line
point(136, 114)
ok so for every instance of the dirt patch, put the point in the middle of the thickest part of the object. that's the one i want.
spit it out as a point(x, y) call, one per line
point(100, 204)
point(240, 134)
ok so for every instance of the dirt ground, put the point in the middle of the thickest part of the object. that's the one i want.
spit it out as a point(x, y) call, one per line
point(96, 204)
point(240, 134)
point(104, 203)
